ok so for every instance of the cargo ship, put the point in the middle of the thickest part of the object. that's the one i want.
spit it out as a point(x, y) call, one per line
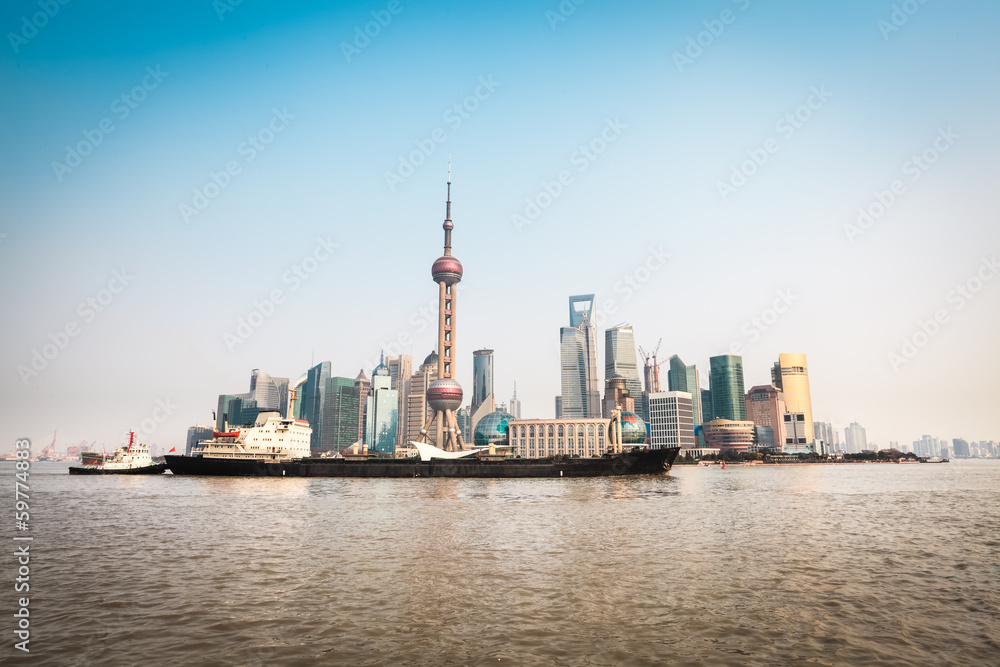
point(131, 459)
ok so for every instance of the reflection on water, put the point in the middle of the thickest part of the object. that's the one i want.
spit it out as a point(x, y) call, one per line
point(846, 565)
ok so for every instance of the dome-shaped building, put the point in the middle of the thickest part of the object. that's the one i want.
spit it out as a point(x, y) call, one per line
point(633, 429)
point(493, 429)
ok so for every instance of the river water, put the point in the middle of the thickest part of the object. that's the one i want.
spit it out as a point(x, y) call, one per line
point(809, 564)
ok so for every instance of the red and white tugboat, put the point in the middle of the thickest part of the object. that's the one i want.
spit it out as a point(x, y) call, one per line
point(132, 459)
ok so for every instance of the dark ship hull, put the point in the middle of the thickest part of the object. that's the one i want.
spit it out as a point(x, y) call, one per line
point(637, 462)
point(155, 469)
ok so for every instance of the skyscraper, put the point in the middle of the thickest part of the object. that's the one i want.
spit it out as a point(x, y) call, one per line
point(383, 406)
point(515, 405)
point(682, 377)
point(855, 440)
point(580, 396)
point(235, 410)
point(765, 407)
point(364, 387)
point(400, 371)
point(726, 383)
point(482, 376)
point(195, 435)
point(790, 374)
point(444, 395)
point(620, 359)
point(616, 396)
point(671, 421)
point(311, 397)
point(340, 414)
point(706, 406)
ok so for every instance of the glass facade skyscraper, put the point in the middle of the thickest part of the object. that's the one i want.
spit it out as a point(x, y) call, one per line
point(381, 415)
point(482, 377)
point(790, 374)
point(340, 414)
point(620, 359)
point(581, 394)
point(726, 382)
point(682, 377)
point(312, 396)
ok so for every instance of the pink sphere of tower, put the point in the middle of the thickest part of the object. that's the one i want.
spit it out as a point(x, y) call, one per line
point(446, 269)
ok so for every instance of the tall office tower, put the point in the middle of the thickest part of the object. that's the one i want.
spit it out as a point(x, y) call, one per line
point(311, 397)
point(671, 420)
point(381, 415)
point(620, 359)
point(400, 371)
point(515, 405)
point(417, 409)
point(726, 383)
point(855, 440)
point(264, 390)
point(340, 414)
point(482, 377)
point(558, 407)
point(765, 407)
point(796, 436)
point(706, 405)
point(444, 395)
point(581, 396)
point(961, 448)
point(464, 418)
point(195, 435)
point(824, 431)
point(682, 377)
point(617, 396)
point(235, 410)
point(364, 386)
point(790, 374)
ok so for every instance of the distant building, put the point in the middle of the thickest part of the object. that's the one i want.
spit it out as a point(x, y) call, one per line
point(364, 387)
point(726, 383)
point(796, 435)
point(790, 375)
point(671, 420)
point(558, 407)
point(464, 418)
point(855, 440)
point(482, 377)
point(340, 414)
point(381, 417)
point(682, 377)
point(961, 448)
point(578, 361)
point(763, 438)
point(400, 371)
point(235, 410)
point(195, 435)
point(765, 406)
point(729, 435)
point(620, 360)
point(515, 404)
point(418, 412)
point(616, 396)
point(538, 438)
point(270, 393)
point(311, 397)
point(824, 431)
point(706, 405)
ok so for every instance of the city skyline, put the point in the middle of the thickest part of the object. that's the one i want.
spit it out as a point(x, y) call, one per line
point(169, 309)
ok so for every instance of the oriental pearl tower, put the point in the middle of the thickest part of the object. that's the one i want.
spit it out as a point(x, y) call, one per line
point(444, 395)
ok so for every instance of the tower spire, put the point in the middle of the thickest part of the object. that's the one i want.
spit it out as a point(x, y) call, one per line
point(448, 224)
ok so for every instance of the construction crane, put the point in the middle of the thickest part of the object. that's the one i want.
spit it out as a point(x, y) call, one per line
point(651, 371)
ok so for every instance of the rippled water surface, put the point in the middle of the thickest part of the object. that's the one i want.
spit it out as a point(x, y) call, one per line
point(832, 565)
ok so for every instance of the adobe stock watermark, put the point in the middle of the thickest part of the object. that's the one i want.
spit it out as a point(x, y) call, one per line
point(122, 106)
point(758, 324)
point(223, 7)
point(363, 37)
point(786, 126)
point(248, 149)
point(165, 408)
point(631, 283)
point(87, 310)
point(30, 27)
point(957, 298)
point(264, 309)
point(714, 28)
point(899, 17)
point(454, 116)
point(581, 158)
point(563, 11)
point(915, 167)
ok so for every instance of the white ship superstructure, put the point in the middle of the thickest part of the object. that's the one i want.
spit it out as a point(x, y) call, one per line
point(271, 438)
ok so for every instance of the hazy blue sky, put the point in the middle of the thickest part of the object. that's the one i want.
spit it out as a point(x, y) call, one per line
point(183, 88)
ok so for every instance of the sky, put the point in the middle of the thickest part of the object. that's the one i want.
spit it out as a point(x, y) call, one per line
point(760, 177)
